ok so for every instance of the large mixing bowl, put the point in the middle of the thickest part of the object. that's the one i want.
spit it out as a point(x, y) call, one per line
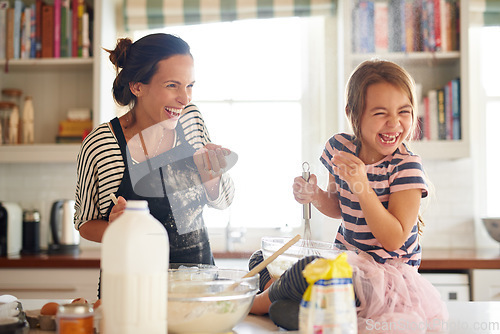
point(208, 300)
point(493, 227)
point(302, 248)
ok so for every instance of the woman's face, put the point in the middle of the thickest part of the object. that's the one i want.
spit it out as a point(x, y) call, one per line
point(385, 122)
point(169, 91)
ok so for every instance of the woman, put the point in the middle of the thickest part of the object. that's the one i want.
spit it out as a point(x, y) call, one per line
point(159, 151)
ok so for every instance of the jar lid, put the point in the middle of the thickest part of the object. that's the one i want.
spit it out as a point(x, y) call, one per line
point(7, 105)
point(12, 92)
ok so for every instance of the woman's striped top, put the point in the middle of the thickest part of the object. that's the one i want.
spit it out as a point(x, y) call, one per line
point(100, 168)
point(399, 171)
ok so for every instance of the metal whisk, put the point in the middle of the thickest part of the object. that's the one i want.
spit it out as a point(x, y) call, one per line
point(306, 209)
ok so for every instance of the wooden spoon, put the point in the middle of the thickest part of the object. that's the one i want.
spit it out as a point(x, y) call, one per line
point(273, 257)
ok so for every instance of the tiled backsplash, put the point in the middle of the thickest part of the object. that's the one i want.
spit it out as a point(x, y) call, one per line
point(448, 214)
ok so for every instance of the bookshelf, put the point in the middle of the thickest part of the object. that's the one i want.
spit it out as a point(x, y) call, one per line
point(431, 69)
point(58, 84)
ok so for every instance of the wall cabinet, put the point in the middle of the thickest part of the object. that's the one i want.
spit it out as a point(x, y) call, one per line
point(431, 69)
point(58, 84)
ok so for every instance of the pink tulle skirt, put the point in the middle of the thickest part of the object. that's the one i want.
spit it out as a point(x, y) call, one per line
point(394, 298)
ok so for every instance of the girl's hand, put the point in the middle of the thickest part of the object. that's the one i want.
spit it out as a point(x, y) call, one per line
point(350, 168)
point(118, 209)
point(211, 160)
point(303, 191)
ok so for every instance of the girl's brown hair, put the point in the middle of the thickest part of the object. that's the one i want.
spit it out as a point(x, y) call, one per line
point(371, 72)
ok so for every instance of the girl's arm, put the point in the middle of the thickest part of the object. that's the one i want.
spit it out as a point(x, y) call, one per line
point(326, 202)
point(391, 226)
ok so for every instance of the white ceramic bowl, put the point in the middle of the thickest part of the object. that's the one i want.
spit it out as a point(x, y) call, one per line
point(493, 227)
point(208, 300)
point(276, 268)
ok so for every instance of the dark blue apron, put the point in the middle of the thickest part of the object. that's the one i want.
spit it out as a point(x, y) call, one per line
point(172, 186)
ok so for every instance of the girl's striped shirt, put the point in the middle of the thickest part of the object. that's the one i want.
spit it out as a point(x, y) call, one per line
point(100, 168)
point(399, 171)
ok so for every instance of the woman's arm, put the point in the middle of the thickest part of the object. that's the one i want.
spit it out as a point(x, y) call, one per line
point(93, 230)
point(391, 226)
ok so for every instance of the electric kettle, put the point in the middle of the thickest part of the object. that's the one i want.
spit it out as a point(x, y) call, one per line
point(65, 238)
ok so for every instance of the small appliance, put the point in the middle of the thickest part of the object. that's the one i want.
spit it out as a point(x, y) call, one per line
point(11, 228)
point(65, 238)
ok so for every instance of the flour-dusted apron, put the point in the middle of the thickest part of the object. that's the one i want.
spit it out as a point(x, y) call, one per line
point(171, 185)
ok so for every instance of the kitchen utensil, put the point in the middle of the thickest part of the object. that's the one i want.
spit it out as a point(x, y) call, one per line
point(203, 300)
point(11, 218)
point(31, 232)
point(492, 225)
point(271, 258)
point(269, 245)
point(306, 208)
point(65, 238)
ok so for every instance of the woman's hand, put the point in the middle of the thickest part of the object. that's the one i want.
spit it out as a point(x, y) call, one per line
point(118, 209)
point(304, 191)
point(350, 168)
point(211, 160)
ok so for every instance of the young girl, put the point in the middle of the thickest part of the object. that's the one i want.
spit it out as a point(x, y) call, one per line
point(375, 185)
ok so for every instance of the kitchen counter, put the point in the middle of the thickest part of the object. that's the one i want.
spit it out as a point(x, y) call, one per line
point(432, 259)
point(465, 318)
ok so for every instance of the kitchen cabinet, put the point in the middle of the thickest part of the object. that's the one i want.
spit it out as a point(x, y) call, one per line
point(50, 283)
point(486, 284)
point(58, 84)
point(432, 70)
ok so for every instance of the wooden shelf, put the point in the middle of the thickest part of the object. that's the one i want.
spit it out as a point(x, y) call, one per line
point(415, 58)
point(441, 149)
point(48, 64)
point(39, 153)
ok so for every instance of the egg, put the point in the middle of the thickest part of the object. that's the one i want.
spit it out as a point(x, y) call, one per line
point(79, 301)
point(49, 309)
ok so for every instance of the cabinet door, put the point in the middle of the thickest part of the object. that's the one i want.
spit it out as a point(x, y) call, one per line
point(486, 284)
point(50, 283)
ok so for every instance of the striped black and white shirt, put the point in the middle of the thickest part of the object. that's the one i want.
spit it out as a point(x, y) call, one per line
point(100, 168)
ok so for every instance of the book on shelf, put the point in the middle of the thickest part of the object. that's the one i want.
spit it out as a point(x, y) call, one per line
point(442, 113)
point(3, 27)
point(47, 31)
point(18, 10)
point(25, 26)
point(412, 25)
point(9, 39)
point(57, 29)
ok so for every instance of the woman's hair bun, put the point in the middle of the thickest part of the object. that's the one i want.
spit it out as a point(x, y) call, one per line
point(118, 56)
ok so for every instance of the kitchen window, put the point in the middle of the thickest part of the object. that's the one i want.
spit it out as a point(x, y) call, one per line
point(253, 89)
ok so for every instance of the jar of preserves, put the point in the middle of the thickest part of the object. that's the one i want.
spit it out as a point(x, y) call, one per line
point(75, 318)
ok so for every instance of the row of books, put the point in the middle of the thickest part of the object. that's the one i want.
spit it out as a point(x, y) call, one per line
point(405, 26)
point(61, 28)
point(440, 117)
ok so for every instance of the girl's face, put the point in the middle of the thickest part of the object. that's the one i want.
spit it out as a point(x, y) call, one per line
point(169, 91)
point(385, 122)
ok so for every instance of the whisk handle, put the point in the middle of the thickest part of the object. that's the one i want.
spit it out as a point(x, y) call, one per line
point(306, 208)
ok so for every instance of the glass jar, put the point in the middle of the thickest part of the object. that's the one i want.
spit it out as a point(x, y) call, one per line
point(6, 109)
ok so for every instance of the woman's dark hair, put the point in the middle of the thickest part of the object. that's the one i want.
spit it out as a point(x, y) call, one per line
point(137, 62)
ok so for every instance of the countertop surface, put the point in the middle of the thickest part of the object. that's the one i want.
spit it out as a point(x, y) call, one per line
point(432, 259)
point(465, 318)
